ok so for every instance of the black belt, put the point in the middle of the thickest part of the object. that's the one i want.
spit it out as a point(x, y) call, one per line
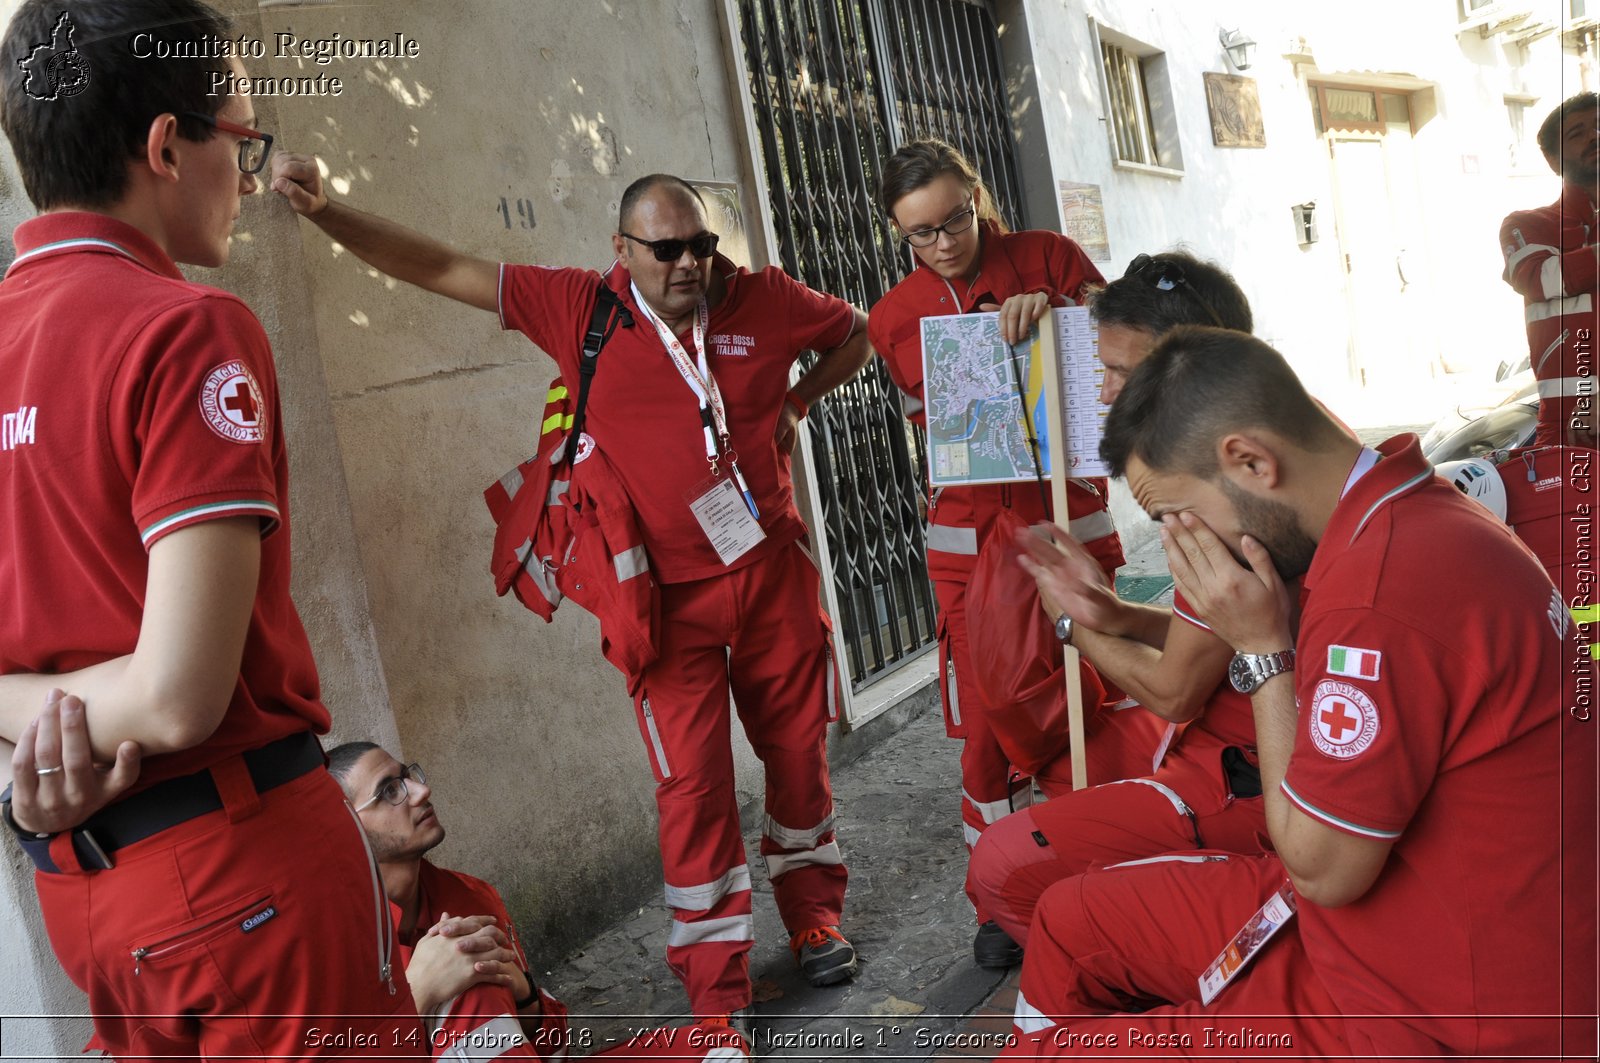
point(175, 801)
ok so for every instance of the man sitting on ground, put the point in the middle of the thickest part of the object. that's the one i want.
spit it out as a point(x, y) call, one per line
point(463, 959)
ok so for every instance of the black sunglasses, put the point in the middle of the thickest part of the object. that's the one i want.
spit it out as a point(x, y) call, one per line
point(703, 246)
point(1166, 276)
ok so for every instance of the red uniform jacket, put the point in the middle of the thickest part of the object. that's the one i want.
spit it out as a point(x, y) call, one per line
point(576, 537)
point(1550, 261)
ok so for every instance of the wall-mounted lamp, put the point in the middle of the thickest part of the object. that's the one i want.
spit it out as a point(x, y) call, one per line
point(1239, 46)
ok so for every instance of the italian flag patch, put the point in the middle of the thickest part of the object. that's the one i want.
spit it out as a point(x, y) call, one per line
point(1354, 662)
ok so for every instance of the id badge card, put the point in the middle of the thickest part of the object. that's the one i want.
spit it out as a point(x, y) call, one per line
point(1272, 917)
point(720, 508)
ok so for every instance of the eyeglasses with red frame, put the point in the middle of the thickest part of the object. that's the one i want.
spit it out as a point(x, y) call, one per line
point(253, 150)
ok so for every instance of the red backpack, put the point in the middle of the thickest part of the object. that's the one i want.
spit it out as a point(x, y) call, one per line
point(1017, 658)
point(565, 526)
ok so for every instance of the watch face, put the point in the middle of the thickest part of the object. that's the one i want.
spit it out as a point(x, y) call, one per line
point(1242, 674)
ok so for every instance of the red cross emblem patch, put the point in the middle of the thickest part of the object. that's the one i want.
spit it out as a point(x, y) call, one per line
point(230, 402)
point(1344, 721)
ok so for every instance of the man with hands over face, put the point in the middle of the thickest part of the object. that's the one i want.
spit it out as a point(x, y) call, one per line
point(1410, 736)
point(689, 402)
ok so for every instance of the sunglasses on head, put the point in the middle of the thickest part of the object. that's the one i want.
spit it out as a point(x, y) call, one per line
point(702, 246)
point(1166, 275)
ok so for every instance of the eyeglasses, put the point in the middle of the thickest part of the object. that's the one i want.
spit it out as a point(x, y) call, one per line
point(703, 246)
point(393, 790)
point(1166, 275)
point(959, 222)
point(253, 150)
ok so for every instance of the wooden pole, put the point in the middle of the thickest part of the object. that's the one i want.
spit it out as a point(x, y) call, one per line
point(1047, 358)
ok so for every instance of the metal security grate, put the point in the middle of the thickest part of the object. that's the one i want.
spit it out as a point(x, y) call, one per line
point(837, 85)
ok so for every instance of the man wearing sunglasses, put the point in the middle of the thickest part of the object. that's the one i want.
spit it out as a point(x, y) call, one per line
point(692, 408)
point(144, 552)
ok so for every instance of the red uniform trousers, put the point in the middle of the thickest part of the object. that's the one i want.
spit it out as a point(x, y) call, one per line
point(273, 900)
point(1187, 803)
point(989, 788)
point(759, 630)
point(1138, 935)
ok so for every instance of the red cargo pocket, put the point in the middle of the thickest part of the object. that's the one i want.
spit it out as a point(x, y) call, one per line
point(651, 730)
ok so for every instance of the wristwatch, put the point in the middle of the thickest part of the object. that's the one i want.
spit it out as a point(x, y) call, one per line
point(1064, 628)
point(1247, 671)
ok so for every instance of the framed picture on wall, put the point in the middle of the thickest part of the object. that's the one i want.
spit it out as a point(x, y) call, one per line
point(1235, 106)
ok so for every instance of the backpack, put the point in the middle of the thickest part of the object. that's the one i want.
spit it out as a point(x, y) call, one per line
point(564, 531)
point(1016, 657)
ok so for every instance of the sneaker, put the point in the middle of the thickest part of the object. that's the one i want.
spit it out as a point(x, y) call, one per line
point(825, 957)
point(993, 947)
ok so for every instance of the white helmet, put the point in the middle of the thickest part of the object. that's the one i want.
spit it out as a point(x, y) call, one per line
point(1477, 479)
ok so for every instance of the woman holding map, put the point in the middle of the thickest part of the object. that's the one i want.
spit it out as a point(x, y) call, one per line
point(965, 262)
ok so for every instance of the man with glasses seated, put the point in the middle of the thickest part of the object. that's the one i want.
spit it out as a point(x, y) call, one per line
point(144, 551)
point(461, 954)
point(1203, 789)
point(692, 407)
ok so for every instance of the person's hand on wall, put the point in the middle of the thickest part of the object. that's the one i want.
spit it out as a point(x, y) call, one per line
point(298, 178)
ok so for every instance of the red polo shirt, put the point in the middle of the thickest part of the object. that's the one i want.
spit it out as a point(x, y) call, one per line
point(1428, 684)
point(136, 403)
point(643, 415)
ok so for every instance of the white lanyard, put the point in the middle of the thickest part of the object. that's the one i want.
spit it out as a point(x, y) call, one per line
point(697, 374)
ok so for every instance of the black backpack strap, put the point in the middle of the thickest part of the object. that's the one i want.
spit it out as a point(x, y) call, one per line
point(608, 313)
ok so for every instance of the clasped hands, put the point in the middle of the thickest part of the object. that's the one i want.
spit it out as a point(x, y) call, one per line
point(459, 952)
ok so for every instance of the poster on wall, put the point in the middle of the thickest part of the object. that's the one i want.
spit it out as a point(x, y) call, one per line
point(725, 214)
point(1083, 218)
point(1235, 105)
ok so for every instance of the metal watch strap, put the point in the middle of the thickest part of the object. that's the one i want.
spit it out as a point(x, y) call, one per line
point(1248, 672)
